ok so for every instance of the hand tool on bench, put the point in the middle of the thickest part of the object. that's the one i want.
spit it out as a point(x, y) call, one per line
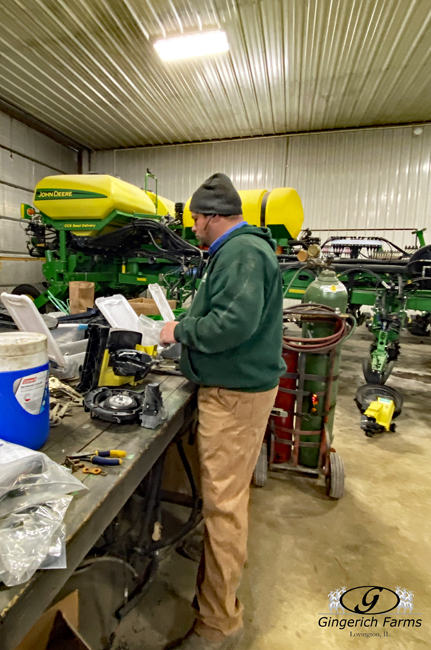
point(107, 457)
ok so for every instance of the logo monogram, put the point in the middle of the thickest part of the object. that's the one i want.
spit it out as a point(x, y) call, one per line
point(369, 599)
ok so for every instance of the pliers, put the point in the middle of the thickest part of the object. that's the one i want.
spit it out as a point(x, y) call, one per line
point(109, 457)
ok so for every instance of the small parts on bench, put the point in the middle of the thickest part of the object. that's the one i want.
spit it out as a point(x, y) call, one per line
point(153, 412)
point(62, 396)
point(109, 457)
point(114, 405)
point(73, 464)
point(93, 470)
point(123, 406)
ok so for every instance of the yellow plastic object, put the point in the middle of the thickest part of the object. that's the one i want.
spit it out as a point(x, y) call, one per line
point(382, 410)
point(164, 206)
point(187, 215)
point(88, 196)
point(252, 206)
point(284, 207)
point(148, 349)
point(107, 376)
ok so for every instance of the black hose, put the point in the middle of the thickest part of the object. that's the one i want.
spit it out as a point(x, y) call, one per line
point(138, 592)
point(143, 542)
point(120, 539)
point(117, 241)
point(359, 270)
point(153, 549)
point(291, 266)
point(152, 504)
point(372, 268)
point(88, 563)
point(283, 258)
point(423, 279)
point(163, 250)
point(156, 546)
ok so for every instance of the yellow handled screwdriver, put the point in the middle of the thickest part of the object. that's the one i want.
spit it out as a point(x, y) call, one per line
point(112, 453)
point(107, 457)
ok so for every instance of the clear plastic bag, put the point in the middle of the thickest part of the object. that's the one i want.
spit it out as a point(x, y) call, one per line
point(34, 496)
point(26, 538)
point(66, 333)
point(150, 329)
point(29, 477)
point(74, 363)
point(56, 558)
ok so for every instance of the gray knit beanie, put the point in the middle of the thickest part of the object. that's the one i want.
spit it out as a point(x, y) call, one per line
point(216, 195)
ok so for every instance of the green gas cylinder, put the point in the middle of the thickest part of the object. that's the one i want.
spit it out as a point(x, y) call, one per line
point(325, 290)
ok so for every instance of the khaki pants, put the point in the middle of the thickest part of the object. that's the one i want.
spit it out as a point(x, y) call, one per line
point(230, 433)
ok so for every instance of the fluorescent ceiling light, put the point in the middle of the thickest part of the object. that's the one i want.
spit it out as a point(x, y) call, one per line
point(190, 45)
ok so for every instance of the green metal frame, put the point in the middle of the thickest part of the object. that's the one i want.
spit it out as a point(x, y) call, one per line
point(129, 276)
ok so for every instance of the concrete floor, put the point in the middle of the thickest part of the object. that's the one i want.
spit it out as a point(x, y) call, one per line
point(303, 545)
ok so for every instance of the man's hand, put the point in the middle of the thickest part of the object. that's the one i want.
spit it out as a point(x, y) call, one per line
point(167, 333)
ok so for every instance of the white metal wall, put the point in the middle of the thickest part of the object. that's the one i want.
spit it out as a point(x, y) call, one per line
point(26, 156)
point(180, 169)
point(375, 181)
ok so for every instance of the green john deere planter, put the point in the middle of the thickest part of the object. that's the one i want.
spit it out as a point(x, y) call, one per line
point(98, 228)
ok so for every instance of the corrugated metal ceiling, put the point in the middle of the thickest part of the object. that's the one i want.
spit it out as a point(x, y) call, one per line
point(88, 68)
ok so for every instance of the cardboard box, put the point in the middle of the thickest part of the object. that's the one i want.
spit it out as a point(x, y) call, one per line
point(64, 636)
point(55, 626)
point(148, 307)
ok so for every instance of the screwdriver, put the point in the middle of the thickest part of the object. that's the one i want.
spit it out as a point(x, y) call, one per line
point(112, 453)
point(109, 457)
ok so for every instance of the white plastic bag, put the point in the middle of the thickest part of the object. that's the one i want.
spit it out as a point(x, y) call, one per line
point(34, 496)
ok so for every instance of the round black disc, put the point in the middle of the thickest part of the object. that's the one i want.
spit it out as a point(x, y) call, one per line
point(114, 405)
point(370, 392)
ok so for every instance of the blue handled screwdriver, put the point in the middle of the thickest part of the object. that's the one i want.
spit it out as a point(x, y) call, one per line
point(109, 457)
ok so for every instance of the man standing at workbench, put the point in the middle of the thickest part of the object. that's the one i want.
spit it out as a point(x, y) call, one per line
point(231, 346)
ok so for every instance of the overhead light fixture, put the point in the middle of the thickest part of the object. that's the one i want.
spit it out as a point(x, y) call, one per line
point(191, 45)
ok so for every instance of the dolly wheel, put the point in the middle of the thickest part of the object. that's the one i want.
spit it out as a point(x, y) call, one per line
point(335, 478)
point(260, 474)
point(33, 291)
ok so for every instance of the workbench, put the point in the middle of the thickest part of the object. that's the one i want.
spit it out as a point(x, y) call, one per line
point(89, 514)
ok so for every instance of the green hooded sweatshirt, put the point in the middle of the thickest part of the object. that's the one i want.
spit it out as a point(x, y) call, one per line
point(232, 334)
